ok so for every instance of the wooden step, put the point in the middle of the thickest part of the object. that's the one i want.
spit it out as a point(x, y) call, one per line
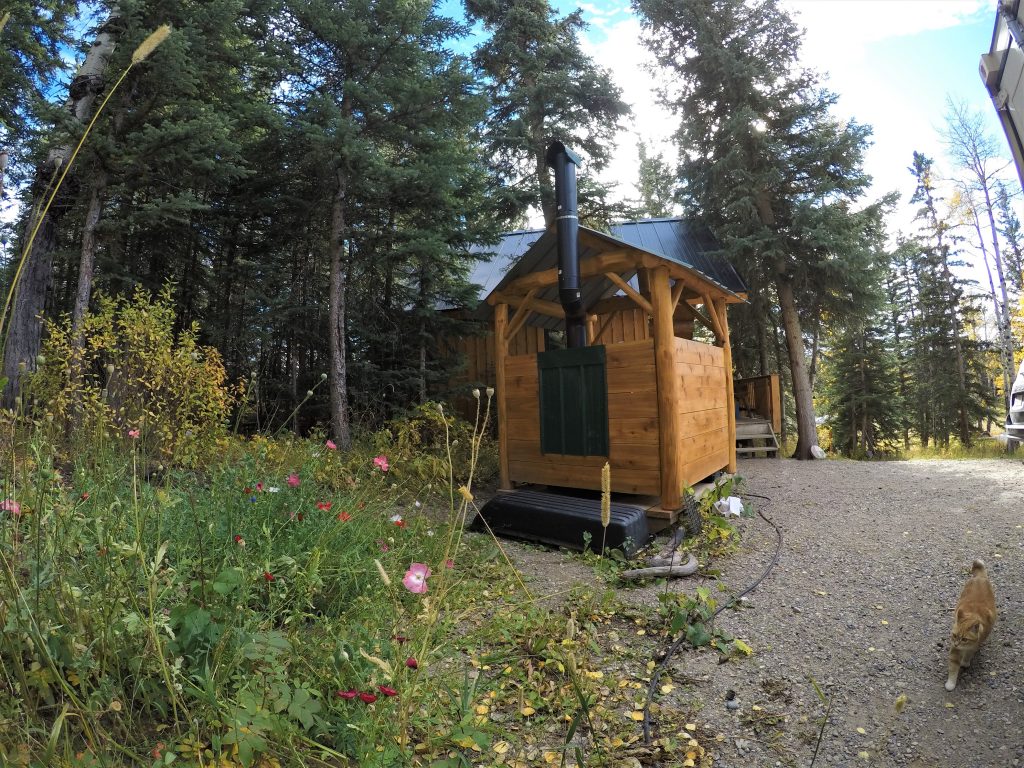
point(761, 449)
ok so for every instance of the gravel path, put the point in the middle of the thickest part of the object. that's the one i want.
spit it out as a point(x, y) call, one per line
point(873, 559)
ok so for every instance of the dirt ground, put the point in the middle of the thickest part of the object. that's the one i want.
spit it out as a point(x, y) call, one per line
point(873, 558)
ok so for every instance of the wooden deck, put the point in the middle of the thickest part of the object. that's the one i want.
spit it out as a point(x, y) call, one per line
point(755, 437)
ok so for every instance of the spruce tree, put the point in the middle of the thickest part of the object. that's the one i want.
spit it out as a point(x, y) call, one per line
point(766, 165)
point(384, 111)
point(861, 391)
point(541, 86)
point(655, 184)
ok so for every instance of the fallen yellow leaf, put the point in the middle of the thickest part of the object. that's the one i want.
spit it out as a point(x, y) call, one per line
point(861, 731)
point(527, 711)
point(637, 715)
point(502, 747)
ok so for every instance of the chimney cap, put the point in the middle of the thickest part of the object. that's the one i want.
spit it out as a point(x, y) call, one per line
point(556, 148)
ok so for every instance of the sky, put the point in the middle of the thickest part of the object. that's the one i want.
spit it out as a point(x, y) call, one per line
point(892, 62)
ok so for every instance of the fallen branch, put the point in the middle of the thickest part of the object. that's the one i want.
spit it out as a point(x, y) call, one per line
point(687, 569)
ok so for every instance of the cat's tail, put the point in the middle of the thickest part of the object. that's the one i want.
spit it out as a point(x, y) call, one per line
point(978, 566)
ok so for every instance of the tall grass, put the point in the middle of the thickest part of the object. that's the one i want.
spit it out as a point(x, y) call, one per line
point(223, 614)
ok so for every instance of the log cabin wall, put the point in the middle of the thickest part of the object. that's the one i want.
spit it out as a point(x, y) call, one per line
point(632, 429)
point(703, 409)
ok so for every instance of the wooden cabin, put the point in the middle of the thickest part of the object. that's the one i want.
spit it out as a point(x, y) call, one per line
point(644, 395)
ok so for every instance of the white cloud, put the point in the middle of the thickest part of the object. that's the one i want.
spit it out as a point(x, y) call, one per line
point(622, 53)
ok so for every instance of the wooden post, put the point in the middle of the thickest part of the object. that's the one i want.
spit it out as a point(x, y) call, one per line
point(500, 353)
point(668, 390)
point(591, 329)
point(722, 310)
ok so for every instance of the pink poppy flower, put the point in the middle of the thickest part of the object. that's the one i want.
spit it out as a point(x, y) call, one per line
point(324, 506)
point(10, 505)
point(293, 480)
point(349, 694)
point(133, 433)
point(344, 516)
point(411, 663)
point(259, 486)
point(387, 690)
point(369, 698)
point(415, 579)
point(331, 445)
point(381, 463)
point(449, 563)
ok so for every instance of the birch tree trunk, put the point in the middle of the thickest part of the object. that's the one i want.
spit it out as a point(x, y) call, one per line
point(340, 426)
point(87, 262)
point(24, 332)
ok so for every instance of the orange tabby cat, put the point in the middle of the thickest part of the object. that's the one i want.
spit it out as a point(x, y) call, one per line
point(975, 615)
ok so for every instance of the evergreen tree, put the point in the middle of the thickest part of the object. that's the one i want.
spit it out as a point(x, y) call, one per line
point(766, 165)
point(655, 184)
point(946, 357)
point(861, 391)
point(541, 86)
point(30, 65)
point(384, 110)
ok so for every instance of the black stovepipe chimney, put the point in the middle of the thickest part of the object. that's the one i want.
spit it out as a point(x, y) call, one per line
point(565, 161)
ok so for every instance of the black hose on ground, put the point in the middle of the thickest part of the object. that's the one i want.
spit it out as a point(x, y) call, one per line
point(677, 643)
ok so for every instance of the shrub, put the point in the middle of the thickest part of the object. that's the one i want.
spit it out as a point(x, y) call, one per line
point(129, 370)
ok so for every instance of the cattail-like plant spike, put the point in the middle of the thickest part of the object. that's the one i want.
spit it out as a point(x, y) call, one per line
point(606, 501)
point(150, 44)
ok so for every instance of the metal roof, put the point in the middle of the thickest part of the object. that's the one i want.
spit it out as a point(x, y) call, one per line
point(520, 253)
point(685, 243)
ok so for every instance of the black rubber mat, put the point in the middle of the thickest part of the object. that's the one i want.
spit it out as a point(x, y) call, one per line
point(562, 520)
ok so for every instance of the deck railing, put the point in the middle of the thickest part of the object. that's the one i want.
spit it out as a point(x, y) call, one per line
point(760, 396)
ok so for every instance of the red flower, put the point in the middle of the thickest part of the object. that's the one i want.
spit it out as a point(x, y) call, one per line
point(411, 663)
point(85, 496)
point(323, 506)
point(157, 750)
point(387, 690)
point(247, 491)
point(293, 480)
point(299, 517)
point(349, 694)
point(401, 639)
point(239, 540)
point(268, 576)
point(369, 698)
point(259, 486)
point(449, 563)
point(400, 523)
point(344, 516)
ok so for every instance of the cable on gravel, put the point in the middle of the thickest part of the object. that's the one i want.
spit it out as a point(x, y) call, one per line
point(678, 642)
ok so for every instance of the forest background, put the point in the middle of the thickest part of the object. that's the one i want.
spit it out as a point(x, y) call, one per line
point(315, 179)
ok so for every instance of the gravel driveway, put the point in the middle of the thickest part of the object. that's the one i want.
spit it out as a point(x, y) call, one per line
point(873, 559)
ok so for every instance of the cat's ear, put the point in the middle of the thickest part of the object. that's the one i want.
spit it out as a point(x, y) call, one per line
point(959, 614)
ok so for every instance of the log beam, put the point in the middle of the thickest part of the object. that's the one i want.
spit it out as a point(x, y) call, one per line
point(627, 289)
point(519, 318)
point(668, 390)
point(721, 309)
point(614, 261)
point(500, 353)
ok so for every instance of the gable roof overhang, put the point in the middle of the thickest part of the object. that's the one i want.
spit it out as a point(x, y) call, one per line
point(609, 267)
